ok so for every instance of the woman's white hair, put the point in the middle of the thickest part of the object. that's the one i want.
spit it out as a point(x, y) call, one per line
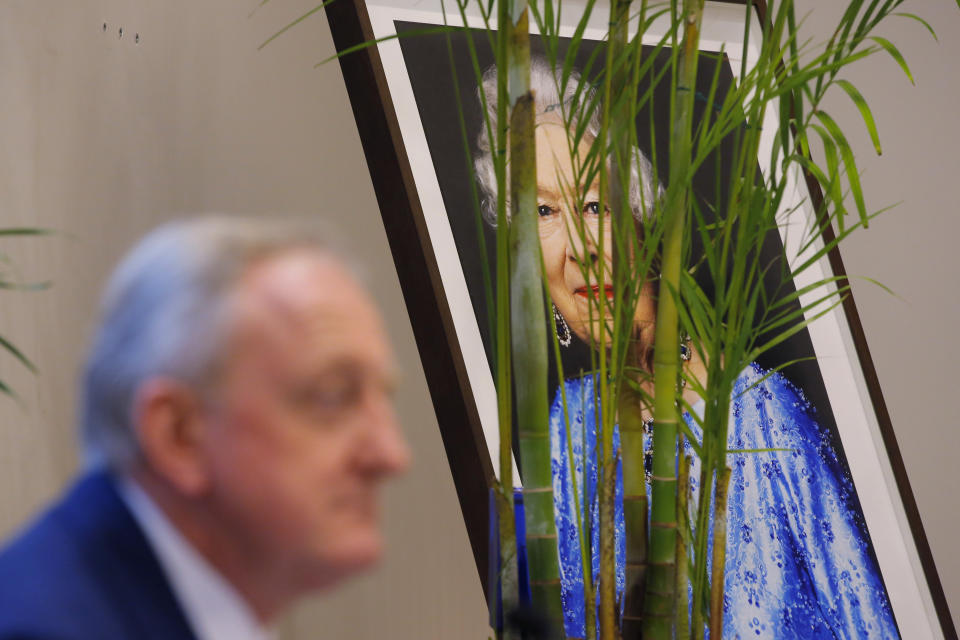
point(166, 312)
point(561, 103)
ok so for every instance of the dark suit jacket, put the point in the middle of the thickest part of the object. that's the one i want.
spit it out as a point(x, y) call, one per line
point(85, 571)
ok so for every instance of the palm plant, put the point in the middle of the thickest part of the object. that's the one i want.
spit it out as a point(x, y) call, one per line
point(9, 283)
point(729, 327)
point(715, 305)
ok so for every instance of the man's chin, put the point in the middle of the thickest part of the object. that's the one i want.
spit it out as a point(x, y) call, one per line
point(336, 565)
point(357, 553)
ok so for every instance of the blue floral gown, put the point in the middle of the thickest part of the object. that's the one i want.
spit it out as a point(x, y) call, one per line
point(799, 563)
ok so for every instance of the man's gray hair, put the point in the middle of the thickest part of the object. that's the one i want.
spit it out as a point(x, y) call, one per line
point(575, 108)
point(165, 312)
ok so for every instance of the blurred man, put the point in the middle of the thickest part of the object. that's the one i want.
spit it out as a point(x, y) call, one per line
point(238, 419)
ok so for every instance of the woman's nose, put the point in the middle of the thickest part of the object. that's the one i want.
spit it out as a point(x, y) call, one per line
point(581, 244)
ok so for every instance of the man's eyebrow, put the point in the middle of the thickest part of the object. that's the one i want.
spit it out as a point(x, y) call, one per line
point(351, 366)
point(339, 364)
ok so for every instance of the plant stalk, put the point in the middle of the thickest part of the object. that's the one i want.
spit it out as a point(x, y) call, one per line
point(528, 330)
point(619, 107)
point(509, 580)
point(683, 492)
point(719, 556)
point(660, 602)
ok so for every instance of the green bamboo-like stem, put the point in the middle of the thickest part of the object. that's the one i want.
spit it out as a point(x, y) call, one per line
point(699, 579)
point(509, 581)
point(713, 457)
point(619, 107)
point(528, 330)
point(719, 555)
point(616, 130)
point(699, 566)
point(727, 317)
point(634, 510)
point(660, 601)
point(682, 579)
point(607, 456)
point(607, 613)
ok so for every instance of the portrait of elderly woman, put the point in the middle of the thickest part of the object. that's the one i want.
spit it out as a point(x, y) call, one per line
point(799, 559)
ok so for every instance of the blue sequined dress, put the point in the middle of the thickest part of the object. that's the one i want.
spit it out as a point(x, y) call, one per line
point(799, 563)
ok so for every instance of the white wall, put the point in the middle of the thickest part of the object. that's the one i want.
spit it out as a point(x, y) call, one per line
point(102, 138)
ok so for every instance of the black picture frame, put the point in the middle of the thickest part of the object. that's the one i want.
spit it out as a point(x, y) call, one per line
point(429, 306)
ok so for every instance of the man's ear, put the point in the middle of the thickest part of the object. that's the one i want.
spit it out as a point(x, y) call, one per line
point(169, 427)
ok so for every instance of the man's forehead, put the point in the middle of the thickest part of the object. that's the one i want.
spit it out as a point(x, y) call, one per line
point(301, 284)
point(297, 273)
point(306, 296)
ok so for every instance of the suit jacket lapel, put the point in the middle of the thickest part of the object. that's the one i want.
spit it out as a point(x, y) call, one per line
point(118, 554)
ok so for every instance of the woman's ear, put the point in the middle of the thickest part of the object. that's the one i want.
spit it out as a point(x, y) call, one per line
point(169, 427)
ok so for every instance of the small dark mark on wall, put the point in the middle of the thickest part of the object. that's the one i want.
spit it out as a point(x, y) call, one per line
point(136, 36)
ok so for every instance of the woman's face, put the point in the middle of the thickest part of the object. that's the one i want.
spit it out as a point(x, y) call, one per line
point(571, 244)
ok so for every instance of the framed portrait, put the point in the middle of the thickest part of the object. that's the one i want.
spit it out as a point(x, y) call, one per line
point(414, 96)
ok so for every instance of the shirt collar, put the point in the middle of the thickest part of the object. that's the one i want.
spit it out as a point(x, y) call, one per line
point(210, 603)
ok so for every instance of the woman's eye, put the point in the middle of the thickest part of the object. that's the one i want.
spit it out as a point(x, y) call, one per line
point(544, 210)
point(592, 207)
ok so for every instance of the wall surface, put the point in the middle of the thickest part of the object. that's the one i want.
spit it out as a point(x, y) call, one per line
point(912, 249)
point(102, 137)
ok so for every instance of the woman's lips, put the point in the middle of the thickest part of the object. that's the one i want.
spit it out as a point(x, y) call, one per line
point(593, 291)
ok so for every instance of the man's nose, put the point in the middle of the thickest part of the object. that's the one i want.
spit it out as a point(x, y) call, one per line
point(385, 450)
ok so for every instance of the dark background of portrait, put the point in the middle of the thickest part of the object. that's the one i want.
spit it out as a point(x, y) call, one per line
point(428, 62)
